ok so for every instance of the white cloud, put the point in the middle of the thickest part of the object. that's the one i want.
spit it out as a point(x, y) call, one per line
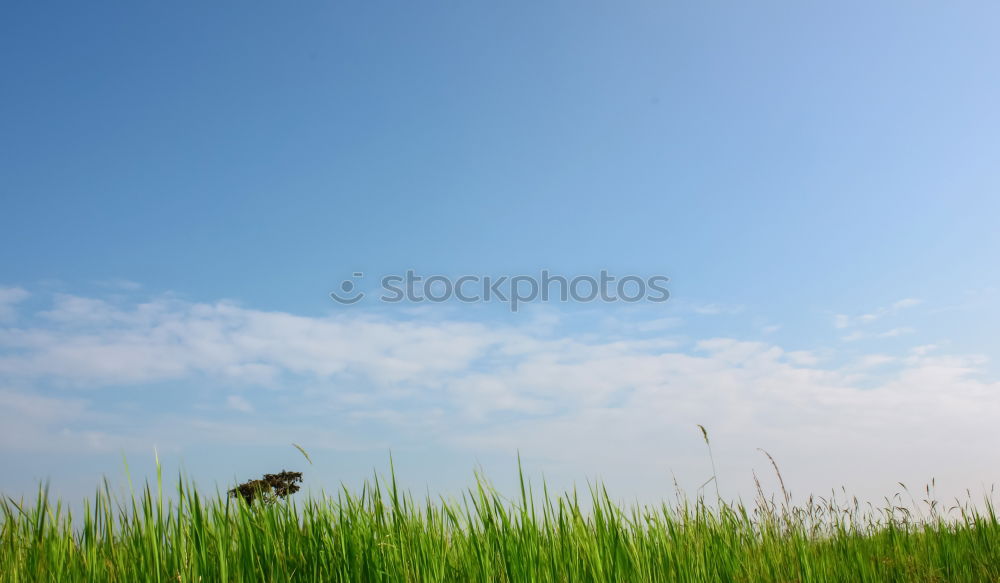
point(875, 360)
point(906, 303)
point(844, 322)
point(716, 309)
point(803, 357)
point(623, 408)
point(238, 403)
point(896, 332)
point(31, 422)
point(94, 342)
point(841, 321)
point(891, 333)
point(9, 296)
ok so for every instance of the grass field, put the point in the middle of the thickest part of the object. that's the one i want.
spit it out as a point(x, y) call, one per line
point(383, 534)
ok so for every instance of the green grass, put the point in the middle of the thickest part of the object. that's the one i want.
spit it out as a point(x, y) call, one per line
point(384, 534)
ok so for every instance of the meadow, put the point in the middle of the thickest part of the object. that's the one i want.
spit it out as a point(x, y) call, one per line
point(381, 533)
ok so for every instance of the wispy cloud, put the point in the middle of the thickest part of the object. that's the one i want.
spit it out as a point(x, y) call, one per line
point(716, 309)
point(9, 296)
point(476, 387)
point(905, 303)
point(891, 333)
point(238, 403)
point(875, 360)
point(894, 332)
point(857, 324)
point(844, 321)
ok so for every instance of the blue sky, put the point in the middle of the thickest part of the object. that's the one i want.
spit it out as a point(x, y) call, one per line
point(182, 187)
